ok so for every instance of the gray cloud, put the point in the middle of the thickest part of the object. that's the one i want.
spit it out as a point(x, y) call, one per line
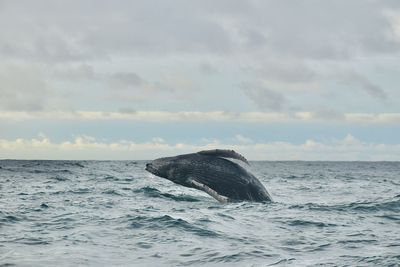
point(327, 114)
point(121, 80)
point(130, 87)
point(323, 30)
point(288, 71)
point(372, 89)
point(265, 98)
point(74, 30)
point(208, 68)
point(276, 42)
point(22, 89)
point(77, 73)
point(127, 87)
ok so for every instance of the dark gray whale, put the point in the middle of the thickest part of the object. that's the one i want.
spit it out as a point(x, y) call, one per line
point(210, 172)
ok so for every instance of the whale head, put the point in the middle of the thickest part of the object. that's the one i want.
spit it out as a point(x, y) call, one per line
point(171, 168)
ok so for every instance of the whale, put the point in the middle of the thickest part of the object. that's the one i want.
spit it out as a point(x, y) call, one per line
point(213, 172)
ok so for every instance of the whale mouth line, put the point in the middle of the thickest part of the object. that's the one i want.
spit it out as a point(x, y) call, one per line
point(151, 169)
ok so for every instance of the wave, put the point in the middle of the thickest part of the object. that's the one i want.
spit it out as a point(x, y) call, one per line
point(44, 206)
point(239, 256)
point(309, 223)
point(166, 221)
point(294, 177)
point(32, 241)
point(387, 260)
point(152, 192)
point(392, 204)
point(392, 217)
point(81, 191)
point(73, 164)
point(78, 191)
point(112, 192)
point(282, 261)
point(9, 219)
point(357, 241)
point(59, 178)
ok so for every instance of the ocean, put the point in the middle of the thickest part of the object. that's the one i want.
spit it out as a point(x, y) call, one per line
point(114, 213)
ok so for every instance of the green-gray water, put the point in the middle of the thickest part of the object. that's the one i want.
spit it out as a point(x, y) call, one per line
point(114, 213)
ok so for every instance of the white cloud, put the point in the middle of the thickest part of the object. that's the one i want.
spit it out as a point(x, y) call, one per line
point(242, 139)
point(350, 140)
point(158, 140)
point(394, 17)
point(89, 148)
point(211, 116)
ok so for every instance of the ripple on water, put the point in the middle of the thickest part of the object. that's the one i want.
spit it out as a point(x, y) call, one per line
point(305, 223)
point(212, 257)
point(152, 192)
point(240, 256)
point(166, 221)
point(33, 241)
point(80, 191)
point(282, 261)
point(391, 217)
point(73, 164)
point(44, 206)
point(59, 178)
point(112, 192)
point(4, 219)
point(111, 178)
point(392, 204)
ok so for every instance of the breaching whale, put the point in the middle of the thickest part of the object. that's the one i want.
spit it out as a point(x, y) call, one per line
point(211, 172)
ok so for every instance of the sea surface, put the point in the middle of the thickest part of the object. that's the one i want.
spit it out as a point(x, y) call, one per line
point(114, 213)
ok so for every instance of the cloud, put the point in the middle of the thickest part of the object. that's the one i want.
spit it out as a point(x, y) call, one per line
point(81, 72)
point(126, 79)
point(85, 147)
point(22, 88)
point(176, 82)
point(242, 139)
point(208, 69)
point(127, 86)
point(155, 27)
point(211, 116)
point(366, 85)
point(324, 30)
point(156, 53)
point(288, 71)
point(305, 29)
point(263, 97)
point(393, 16)
point(130, 87)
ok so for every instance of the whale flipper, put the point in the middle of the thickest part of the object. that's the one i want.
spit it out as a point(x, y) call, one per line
point(224, 153)
point(208, 190)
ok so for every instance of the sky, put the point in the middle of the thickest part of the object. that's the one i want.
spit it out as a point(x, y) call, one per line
point(128, 80)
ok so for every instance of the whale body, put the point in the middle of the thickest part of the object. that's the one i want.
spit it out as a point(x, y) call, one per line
point(211, 172)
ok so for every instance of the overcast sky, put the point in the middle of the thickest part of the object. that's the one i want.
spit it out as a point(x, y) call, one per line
point(275, 80)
